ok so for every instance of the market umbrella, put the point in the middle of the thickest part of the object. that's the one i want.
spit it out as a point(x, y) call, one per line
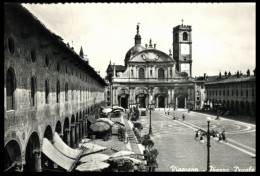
point(118, 108)
point(100, 127)
point(110, 122)
point(94, 157)
point(107, 110)
point(92, 148)
point(92, 166)
point(119, 123)
point(122, 153)
point(92, 118)
point(133, 160)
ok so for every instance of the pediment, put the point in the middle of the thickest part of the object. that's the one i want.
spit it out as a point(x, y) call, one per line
point(151, 56)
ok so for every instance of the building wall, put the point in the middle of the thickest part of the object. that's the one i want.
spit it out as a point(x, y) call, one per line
point(242, 94)
point(85, 93)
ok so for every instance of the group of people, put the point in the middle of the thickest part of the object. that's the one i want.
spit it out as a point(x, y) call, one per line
point(215, 134)
point(176, 118)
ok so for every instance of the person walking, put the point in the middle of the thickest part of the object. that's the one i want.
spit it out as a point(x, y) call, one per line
point(174, 115)
point(223, 134)
point(183, 117)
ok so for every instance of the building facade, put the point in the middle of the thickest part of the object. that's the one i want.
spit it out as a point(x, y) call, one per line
point(48, 88)
point(233, 94)
point(151, 76)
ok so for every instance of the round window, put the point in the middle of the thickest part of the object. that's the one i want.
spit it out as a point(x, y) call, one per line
point(11, 45)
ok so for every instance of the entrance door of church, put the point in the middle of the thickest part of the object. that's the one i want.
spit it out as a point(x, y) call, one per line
point(161, 102)
point(142, 102)
point(181, 102)
point(123, 102)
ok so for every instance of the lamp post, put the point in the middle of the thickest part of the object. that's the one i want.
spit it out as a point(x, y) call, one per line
point(208, 145)
point(150, 127)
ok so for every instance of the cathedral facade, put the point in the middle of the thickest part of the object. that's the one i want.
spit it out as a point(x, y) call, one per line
point(152, 77)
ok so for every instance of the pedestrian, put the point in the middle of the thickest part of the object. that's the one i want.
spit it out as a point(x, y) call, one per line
point(183, 117)
point(197, 135)
point(223, 134)
point(174, 116)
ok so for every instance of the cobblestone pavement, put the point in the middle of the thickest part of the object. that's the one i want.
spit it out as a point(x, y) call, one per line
point(178, 149)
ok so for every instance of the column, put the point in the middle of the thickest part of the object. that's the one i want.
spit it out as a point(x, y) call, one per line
point(77, 134)
point(185, 102)
point(86, 127)
point(67, 133)
point(72, 135)
point(83, 129)
point(37, 157)
point(176, 102)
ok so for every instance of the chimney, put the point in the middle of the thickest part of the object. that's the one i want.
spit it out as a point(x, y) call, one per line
point(154, 46)
point(204, 75)
point(146, 45)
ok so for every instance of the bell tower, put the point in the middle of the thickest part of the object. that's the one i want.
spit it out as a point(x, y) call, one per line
point(182, 48)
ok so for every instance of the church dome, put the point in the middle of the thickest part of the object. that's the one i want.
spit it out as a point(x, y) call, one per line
point(133, 51)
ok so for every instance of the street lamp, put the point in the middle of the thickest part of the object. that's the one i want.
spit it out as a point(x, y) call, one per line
point(150, 127)
point(208, 145)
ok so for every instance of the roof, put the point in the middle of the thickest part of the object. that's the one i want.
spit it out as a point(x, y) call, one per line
point(226, 79)
point(23, 12)
point(132, 51)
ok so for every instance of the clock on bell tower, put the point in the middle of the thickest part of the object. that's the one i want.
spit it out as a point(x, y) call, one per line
point(182, 47)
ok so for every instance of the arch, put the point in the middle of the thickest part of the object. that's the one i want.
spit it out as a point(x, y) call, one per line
point(185, 36)
point(47, 90)
point(161, 73)
point(247, 109)
point(32, 145)
point(48, 133)
point(66, 126)
point(253, 110)
point(12, 154)
point(58, 91)
point(58, 128)
point(141, 73)
point(10, 89)
point(242, 108)
point(237, 107)
point(181, 101)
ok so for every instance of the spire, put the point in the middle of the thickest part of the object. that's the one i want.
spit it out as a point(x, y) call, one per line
point(137, 36)
point(181, 22)
point(150, 43)
point(81, 52)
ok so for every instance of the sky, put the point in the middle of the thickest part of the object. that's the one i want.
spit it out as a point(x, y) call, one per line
point(223, 34)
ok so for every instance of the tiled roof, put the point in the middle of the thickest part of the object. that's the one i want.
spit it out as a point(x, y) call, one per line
point(229, 79)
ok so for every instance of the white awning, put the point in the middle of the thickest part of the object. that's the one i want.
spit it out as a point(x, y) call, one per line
point(52, 153)
point(64, 148)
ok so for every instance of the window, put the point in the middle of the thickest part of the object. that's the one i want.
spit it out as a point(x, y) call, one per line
point(253, 92)
point(58, 67)
point(46, 91)
point(10, 88)
point(66, 91)
point(185, 36)
point(10, 44)
point(241, 93)
point(58, 92)
point(216, 93)
point(33, 91)
point(219, 92)
point(246, 92)
point(232, 92)
point(151, 73)
point(66, 69)
point(132, 73)
point(72, 91)
point(141, 73)
point(227, 92)
point(161, 73)
point(237, 92)
point(198, 98)
point(171, 73)
point(33, 55)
